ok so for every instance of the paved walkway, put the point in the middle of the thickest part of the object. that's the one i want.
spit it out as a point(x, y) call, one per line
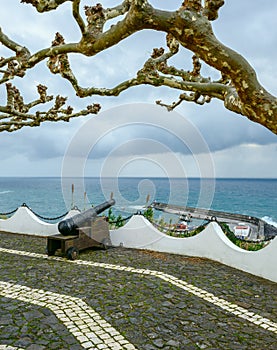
point(128, 299)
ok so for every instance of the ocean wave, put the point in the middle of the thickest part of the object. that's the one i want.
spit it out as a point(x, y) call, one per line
point(269, 220)
point(4, 192)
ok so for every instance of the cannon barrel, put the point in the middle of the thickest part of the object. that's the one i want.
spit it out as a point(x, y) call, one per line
point(70, 226)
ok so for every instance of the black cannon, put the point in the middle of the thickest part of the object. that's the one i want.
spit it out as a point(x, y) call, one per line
point(81, 231)
point(71, 225)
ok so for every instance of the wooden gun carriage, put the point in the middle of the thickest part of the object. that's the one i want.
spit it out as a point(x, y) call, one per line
point(81, 231)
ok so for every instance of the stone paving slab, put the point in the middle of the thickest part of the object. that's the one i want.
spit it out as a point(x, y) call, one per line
point(144, 299)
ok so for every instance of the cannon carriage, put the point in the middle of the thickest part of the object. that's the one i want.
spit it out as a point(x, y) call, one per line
point(81, 231)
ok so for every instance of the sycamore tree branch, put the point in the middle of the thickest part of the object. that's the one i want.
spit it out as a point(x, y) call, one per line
point(156, 72)
point(14, 64)
point(117, 10)
point(20, 120)
point(194, 32)
point(77, 16)
point(188, 26)
point(16, 114)
point(45, 5)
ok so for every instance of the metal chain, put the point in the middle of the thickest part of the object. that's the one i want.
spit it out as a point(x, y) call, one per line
point(46, 218)
point(8, 213)
point(39, 216)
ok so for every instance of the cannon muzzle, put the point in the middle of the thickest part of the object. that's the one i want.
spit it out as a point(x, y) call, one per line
point(71, 225)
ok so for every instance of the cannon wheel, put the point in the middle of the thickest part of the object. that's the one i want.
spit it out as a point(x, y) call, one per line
point(50, 252)
point(72, 253)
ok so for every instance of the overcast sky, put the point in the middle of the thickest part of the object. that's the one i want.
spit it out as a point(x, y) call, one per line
point(132, 136)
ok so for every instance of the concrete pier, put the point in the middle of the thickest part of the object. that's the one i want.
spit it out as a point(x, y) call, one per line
point(260, 230)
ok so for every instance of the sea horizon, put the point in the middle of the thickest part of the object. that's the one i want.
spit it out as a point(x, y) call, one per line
point(143, 177)
point(51, 196)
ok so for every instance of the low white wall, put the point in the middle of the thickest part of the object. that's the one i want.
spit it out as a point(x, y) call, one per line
point(211, 243)
point(24, 221)
point(139, 233)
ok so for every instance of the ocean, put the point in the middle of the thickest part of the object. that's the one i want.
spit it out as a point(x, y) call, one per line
point(53, 196)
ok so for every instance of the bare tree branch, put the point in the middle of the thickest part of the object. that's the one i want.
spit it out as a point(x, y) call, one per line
point(188, 26)
point(156, 72)
point(15, 114)
point(211, 8)
point(45, 5)
point(77, 16)
point(118, 10)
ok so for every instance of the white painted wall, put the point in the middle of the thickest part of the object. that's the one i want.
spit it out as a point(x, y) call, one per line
point(24, 221)
point(211, 243)
point(139, 233)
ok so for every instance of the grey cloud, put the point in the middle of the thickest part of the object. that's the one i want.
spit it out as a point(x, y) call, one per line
point(217, 139)
point(44, 142)
point(100, 137)
point(134, 138)
point(222, 129)
point(126, 123)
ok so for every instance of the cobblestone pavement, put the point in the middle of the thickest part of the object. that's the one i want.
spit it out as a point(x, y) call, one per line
point(128, 299)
